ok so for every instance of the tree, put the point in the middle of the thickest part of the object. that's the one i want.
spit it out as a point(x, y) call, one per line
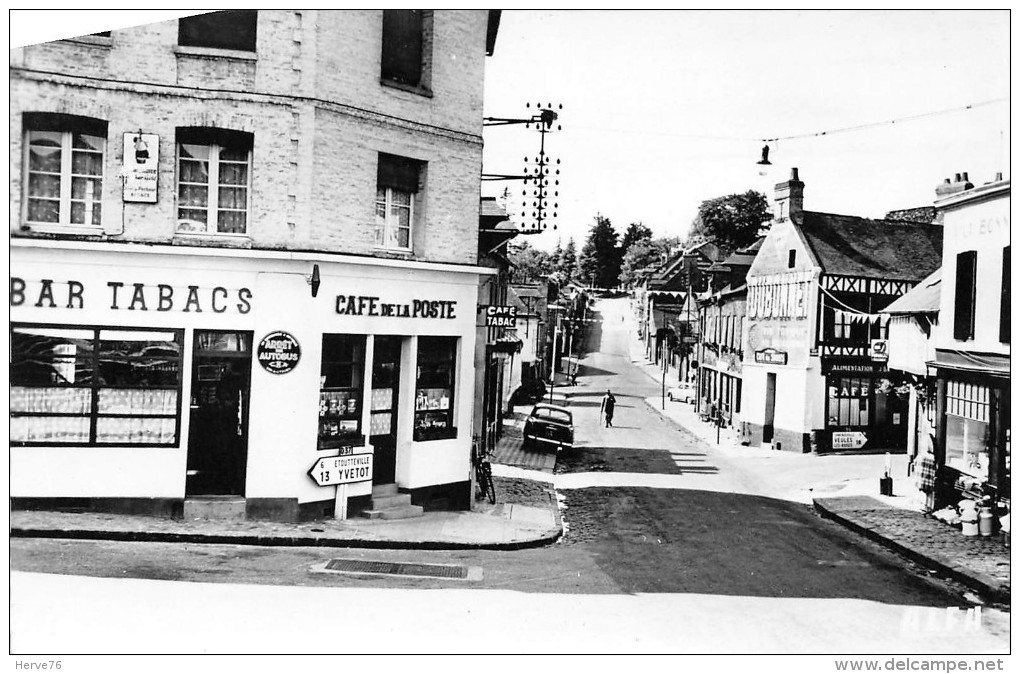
point(643, 253)
point(600, 257)
point(636, 231)
point(730, 222)
point(567, 262)
point(529, 263)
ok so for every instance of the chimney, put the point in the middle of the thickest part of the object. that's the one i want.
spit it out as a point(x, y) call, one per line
point(949, 188)
point(789, 197)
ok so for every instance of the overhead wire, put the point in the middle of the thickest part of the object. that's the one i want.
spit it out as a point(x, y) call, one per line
point(812, 134)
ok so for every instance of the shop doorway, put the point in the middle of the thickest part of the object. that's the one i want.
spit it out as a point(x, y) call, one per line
point(385, 393)
point(218, 435)
point(769, 427)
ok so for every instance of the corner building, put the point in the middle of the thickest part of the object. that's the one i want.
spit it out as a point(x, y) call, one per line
point(242, 242)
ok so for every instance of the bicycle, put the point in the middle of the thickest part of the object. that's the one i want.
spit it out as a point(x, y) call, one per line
point(484, 484)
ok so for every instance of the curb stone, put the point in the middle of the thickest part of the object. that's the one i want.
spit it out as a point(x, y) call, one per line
point(979, 582)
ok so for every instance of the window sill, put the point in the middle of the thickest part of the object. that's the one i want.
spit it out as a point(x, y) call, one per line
point(71, 230)
point(203, 239)
point(337, 443)
point(91, 40)
point(402, 253)
point(419, 90)
point(436, 434)
point(213, 53)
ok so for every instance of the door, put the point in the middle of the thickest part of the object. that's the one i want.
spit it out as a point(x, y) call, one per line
point(768, 429)
point(385, 390)
point(218, 435)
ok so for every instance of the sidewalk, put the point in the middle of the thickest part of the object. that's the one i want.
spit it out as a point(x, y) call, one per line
point(845, 489)
point(526, 515)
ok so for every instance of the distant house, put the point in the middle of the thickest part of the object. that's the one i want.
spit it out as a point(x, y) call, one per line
point(719, 347)
point(913, 320)
point(815, 368)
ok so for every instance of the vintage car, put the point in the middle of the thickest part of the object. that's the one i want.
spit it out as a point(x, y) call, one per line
point(683, 391)
point(549, 426)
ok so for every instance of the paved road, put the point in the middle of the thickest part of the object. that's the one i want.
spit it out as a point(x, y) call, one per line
point(769, 575)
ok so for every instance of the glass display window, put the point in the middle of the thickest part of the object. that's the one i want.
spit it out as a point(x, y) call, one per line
point(848, 401)
point(433, 399)
point(341, 382)
point(968, 428)
point(95, 386)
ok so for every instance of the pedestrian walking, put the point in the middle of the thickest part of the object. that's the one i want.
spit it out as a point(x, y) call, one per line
point(608, 406)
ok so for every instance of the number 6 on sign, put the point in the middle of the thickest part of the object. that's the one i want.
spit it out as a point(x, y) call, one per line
point(344, 469)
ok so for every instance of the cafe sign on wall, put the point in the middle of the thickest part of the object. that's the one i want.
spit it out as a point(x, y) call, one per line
point(141, 161)
point(497, 316)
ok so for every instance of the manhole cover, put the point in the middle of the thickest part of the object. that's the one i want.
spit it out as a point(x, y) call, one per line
point(450, 571)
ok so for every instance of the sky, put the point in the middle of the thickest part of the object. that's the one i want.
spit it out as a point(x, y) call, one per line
point(665, 109)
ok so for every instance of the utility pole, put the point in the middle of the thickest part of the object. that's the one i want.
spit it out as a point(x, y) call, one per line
point(552, 368)
point(538, 171)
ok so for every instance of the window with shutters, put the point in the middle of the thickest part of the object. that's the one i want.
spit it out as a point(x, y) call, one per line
point(397, 187)
point(407, 49)
point(966, 295)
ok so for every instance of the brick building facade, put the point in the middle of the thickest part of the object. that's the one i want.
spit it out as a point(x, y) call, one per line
point(193, 199)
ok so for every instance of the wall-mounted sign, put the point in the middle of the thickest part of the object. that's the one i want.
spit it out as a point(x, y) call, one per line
point(778, 296)
point(770, 356)
point(500, 317)
point(68, 294)
point(848, 440)
point(879, 350)
point(279, 352)
point(345, 468)
point(141, 160)
point(364, 305)
point(830, 366)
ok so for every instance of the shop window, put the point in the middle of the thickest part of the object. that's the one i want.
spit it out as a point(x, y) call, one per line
point(234, 29)
point(967, 427)
point(397, 186)
point(966, 295)
point(1004, 302)
point(213, 181)
point(95, 386)
point(848, 401)
point(407, 48)
point(433, 399)
point(341, 382)
point(64, 156)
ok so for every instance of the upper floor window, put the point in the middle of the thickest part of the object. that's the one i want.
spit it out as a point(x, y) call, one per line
point(397, 186)
point(966, 295)
point(213, 180)
point(406, 46)
point(63, 159)
point(791, 259)
point(233, 29)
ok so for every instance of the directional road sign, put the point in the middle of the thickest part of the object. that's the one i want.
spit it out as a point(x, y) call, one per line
point(343, 469)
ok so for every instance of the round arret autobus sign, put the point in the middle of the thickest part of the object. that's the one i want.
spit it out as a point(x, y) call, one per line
point(279, 352)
